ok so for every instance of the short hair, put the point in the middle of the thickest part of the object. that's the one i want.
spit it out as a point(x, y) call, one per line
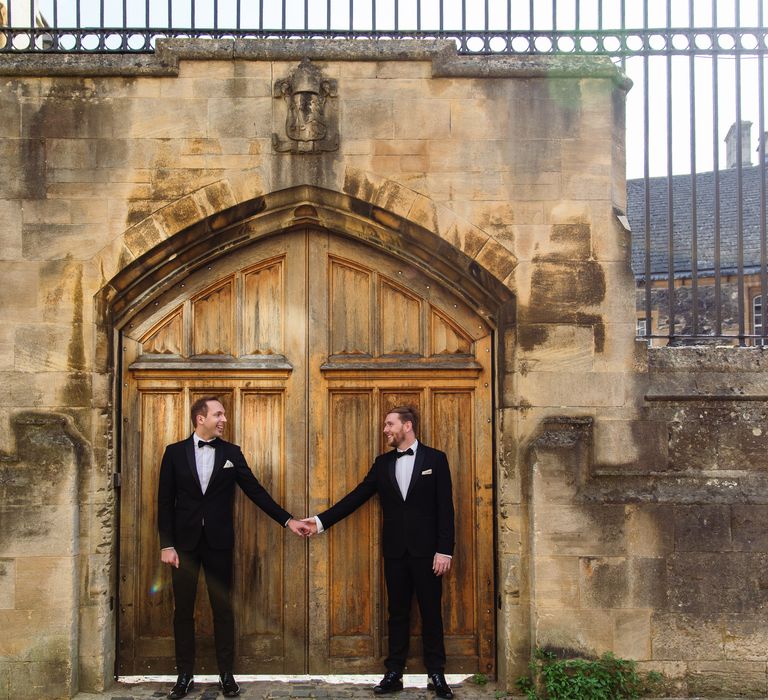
point(407, 413)
point(200, 408)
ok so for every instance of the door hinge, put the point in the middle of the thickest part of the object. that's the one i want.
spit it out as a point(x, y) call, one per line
point(117, 480)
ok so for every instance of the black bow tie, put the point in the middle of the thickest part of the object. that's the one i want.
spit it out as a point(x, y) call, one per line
point(409, 451)
point(203, 443)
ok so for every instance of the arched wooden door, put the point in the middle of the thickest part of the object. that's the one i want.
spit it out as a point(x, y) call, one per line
point(308, 338)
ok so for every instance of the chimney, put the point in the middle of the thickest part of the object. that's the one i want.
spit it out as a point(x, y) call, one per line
point(731, 145)
point(764, 142)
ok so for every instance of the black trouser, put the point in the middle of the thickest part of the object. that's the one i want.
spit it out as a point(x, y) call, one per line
point(217, 565)
point(405, 577)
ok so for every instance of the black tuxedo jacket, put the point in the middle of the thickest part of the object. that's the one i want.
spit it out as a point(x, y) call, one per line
point(182, 506)
point(419, 525)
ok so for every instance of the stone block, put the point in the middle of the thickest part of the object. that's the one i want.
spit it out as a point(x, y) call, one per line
point(60, 241)
point(395, 198)
point(10, 229)
point(52, 680)
point(621, 582)
point(496, 259)
point(555, 348)
point(46, 211)
point(43, 529)
point(556, 582)
point(353, 70)
point(7, 584)
point(368, 119)
point(85, 211)
point(371, 88)
point(460, 233)
point(45, 582)
point(167, 118)
point(76, 118)
point(632, 634)
point(477, 119)
point(36, 634)
point(636, 445)
point(712, 582)
point(44, 347)
point(588, 530)
point(7, 346)
point(215, 198)
point(681, 637)
point(749, 530)
point(650, 530)
point(249, 118)
point(575, 632)
point(424, 213)
point(746, 636)
point(587, 187)
point(723, 679)
point(558, 291)
point(19, 291)
point(404, 69)
point(702, 528)
point(461, 157)
point(177, 216)
point(541, 186)
point(566, 389)
point(144, 236)
point(72, 154)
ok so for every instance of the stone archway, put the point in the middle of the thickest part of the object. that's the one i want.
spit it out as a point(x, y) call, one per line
point(146, 303)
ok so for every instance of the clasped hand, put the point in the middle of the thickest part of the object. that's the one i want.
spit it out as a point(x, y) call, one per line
point(303, 528)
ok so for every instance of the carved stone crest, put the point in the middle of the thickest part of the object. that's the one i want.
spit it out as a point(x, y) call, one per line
point(311, 123)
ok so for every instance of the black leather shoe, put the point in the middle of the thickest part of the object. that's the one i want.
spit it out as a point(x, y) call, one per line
point(184, 683)
point(229, 685)
point(438, 684)
point(391, 683)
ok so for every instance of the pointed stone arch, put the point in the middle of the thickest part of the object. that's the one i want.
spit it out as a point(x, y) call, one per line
point(204, 225)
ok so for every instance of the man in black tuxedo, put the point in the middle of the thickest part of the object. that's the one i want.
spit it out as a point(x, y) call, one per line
point(195, 499)
point(414, 486)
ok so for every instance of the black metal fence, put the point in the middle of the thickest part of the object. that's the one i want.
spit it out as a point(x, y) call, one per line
point(696, 202)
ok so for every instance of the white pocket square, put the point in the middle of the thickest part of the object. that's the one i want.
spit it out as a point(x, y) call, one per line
point(426, 471)
point(228, 465)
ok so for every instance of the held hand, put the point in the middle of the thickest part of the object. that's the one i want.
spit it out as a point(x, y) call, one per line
point(299, 527)
point(441, 564)
point(169, 556)
point(311, 523)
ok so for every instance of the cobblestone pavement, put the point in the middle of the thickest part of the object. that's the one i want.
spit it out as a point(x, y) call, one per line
point(206, 689)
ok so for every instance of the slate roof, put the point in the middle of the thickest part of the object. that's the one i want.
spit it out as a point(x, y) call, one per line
point(705, 222)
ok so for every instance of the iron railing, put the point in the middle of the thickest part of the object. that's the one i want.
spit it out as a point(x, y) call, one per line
point(698, 215)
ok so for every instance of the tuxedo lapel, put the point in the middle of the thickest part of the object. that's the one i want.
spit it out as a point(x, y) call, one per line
point(416, 473)
point(218, 460)
point(391, 464)
point(189, 449)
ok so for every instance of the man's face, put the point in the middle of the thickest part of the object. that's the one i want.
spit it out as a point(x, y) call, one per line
point(212, 425)
point(396, 433)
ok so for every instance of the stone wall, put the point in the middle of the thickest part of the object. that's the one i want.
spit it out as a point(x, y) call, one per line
point(513, 164)
point(662, 557)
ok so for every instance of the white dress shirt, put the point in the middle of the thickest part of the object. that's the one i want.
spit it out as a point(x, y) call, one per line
point(204, 459)
point(404, 468)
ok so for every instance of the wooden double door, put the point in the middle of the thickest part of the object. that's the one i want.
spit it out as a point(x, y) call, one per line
point(308, 339)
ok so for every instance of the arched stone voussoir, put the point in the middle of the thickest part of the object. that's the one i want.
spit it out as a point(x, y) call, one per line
point(418, 209)
point(161, 258)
